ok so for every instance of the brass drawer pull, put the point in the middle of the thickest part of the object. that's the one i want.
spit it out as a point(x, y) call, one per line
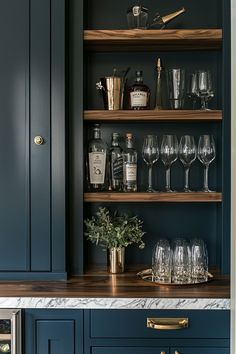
point(167, 323)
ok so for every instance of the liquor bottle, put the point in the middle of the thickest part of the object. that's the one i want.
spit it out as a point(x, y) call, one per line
point(116, 164)
point(129, 165)
point(159, 68)
point(139, 93)
point(160, 22)
point(97, 161)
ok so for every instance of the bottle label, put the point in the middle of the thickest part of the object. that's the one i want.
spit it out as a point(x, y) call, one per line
point(138, 99)
point(117, 168)
point(97, 164)
point(130, 172)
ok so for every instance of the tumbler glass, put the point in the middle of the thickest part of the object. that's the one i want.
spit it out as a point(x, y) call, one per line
point(181, 267)
point(176, 88)
point(161, 261)
point(199, 258)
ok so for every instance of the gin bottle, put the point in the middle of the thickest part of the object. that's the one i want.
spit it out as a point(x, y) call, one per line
point(130, 165)
point(116, 164)
point(139, 93)
point(97, 161)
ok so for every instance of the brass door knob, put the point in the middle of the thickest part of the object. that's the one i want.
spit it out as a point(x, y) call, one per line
point(38, 140)
point(163, 352)
point(176, 352)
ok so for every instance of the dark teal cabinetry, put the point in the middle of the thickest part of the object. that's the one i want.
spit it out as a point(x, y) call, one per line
point(32, 177)
point(53, 332)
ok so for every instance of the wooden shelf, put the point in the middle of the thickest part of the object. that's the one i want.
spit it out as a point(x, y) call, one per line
point(4, 336)
point(178, 197)
point(151, 40)
point(153, 115)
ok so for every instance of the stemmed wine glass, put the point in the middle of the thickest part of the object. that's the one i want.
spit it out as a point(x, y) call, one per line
point(187, 155)
point(206, 154)
point(204, 88)
point(150, 153)
point(169, 154)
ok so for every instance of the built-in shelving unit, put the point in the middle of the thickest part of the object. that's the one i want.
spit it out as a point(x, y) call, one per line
point(154, 115)
point(149, 40)
point(176, 197)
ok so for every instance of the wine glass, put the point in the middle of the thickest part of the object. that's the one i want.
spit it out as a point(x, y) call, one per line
point(150, 153)
point(204, 88)
point(169, 154)
point(192, 92)
point(206, 154)
point(187, 155)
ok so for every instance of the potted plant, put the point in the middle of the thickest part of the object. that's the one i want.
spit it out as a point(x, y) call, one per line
point(114, 233)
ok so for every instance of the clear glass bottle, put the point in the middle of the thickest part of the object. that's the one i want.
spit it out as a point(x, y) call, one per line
point(139, 93)
point(116, 164)
point(97, 161)
point(130, 159)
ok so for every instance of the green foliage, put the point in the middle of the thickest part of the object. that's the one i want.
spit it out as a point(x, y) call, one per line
point(113, 230)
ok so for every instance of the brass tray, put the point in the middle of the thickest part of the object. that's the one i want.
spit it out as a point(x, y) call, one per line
point(146, 275)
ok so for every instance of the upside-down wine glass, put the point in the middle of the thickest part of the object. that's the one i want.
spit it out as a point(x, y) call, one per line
point(169, 154)
point(187, 155)
point(206, 154)
point(150, 153)
point(192, 90)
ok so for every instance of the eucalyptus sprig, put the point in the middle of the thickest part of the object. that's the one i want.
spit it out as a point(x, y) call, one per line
point(112, 230)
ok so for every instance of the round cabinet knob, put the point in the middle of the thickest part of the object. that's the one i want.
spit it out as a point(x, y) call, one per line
point(176, 352)
point(38, 140)
point(163, 352)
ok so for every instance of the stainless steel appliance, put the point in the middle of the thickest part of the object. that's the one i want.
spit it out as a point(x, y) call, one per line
point(10, 331)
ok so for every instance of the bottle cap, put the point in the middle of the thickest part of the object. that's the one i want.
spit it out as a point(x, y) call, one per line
point(129, 136)
point(115, 135)
point(139, 73)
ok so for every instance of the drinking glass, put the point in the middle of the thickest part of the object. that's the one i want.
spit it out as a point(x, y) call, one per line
point(187, 155)
point(176, 88)
point(169, 154)
point(206, 154)
point(192, 91)
point(199, 257)
point(161, 261)
point(181, 267)
point(150, 153)
point(204, 88)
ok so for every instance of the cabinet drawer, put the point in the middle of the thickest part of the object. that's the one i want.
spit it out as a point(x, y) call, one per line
point(133, 324)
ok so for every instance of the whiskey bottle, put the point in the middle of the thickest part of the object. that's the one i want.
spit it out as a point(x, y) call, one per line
point(97, 161)
point(129, 165)
point(139, 93)
point(116, 164)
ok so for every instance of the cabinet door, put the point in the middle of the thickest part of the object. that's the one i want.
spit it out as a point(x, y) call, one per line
point(199, 350)
point(129, 350)
point(32, 176)
point(53, 332)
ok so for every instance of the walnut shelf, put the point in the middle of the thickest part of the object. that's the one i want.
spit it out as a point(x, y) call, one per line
point(178, 197)
point(149, 40)
point(153, 115)
point(4, 336)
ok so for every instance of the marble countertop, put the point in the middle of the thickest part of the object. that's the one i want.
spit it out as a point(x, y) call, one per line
point(115, 303)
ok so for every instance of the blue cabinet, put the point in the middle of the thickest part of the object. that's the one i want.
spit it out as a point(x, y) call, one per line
point(126, 332)
point(32, 177)
point(53, 332)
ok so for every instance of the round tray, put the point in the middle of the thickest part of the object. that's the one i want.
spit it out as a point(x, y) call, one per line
point(146, 275)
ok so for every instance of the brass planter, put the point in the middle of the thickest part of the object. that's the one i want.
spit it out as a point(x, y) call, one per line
point(116, 260)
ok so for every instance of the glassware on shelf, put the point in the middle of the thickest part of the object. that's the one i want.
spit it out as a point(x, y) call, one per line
point(150, 154)
point(192, 91)
point(181, 263)
point(206, 154)
point(187, 155)
point(204, 88)
point(130, 159)
point(176, 88)
point(199, 258)
point(162, 261)
point(169, 154)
